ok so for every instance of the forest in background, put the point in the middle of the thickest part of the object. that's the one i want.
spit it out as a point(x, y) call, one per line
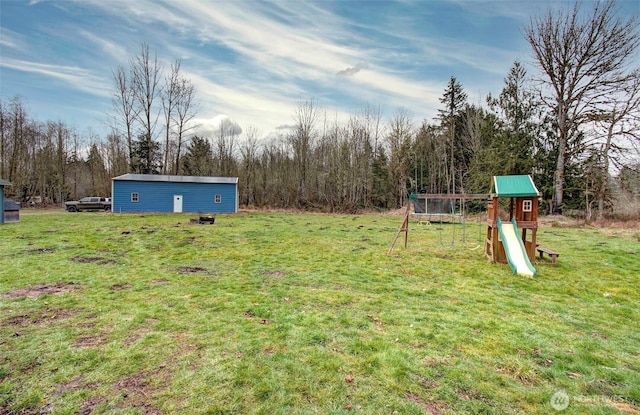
point(574, 125)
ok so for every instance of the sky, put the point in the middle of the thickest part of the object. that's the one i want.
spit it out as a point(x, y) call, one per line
point(253, 63)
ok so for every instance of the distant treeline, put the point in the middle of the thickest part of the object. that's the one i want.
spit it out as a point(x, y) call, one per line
point(574, 126)
point(364, 163)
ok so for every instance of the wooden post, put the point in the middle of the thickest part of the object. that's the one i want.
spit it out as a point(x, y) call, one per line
point(403, 228)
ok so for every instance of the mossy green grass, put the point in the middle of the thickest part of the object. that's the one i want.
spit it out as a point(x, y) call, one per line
point(292, 313)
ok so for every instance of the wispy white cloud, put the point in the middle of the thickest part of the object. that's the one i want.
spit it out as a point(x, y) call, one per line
point(299, 56)
point(10, 39)
point(254, 61)
point(143, 11)
point(283, 49)
point(518, 9)
point(305, 44)
point(262, 109)
point(75, 77)
point(111, 49)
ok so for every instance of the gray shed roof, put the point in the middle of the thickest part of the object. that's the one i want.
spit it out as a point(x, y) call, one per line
point(176, 179)
point(4, 183)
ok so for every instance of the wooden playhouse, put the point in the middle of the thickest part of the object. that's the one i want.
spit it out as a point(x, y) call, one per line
point(523, 213)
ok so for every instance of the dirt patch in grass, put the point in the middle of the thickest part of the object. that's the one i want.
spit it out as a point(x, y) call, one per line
point(136, 335)
point(41, 251)
point(138, 390)
point(97, 259)
point(37, 317)
point(625, 408)
point(250, 314)
point(469, 394)
point(120, 287)
point(268, 351)
point(92, 340)
point(159, 282)
point(186, 345)
point(376, 321)
point(430, 407)
point(87, 407)
point(274, 274)
point(74, 384)
point(189, 270)
point(86, 260)
point(437, 361)
point(39, 290)
point(428, 383)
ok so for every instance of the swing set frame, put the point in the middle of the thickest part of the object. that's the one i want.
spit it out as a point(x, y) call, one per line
point(455, 199)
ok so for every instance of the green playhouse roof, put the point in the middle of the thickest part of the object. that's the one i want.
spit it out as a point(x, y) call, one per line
point(514, 186)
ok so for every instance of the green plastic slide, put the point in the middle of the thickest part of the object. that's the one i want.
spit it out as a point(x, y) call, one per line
point(514, 248)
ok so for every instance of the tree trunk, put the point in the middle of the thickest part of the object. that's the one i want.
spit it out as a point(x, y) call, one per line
point(558, 183)
point(602, 191)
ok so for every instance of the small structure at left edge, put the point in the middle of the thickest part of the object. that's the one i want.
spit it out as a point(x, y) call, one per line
point(165, 193)
point(9, 209)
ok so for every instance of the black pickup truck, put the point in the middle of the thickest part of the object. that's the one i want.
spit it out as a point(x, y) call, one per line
point(89, 203)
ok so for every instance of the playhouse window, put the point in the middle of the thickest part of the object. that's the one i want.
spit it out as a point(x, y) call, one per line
point(135, 197)
point(218, 199)
point(527, 205)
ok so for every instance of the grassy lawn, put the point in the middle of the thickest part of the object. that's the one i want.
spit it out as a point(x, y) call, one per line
point(274, 313)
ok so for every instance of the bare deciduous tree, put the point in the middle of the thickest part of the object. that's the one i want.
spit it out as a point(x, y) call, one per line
point(225, 148)
point(124, 105)
point(169, 96)
point(618, 123)
point(249, 160)
point(137, 111)
point(146, 72)
point(117, 161)
point(185, 111)
point(582, 58)
point(4, 138)
point(399, 138)
point(301, 140)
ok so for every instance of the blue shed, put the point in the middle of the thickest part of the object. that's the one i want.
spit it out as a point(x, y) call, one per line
point(162, 193)
point(3, 183)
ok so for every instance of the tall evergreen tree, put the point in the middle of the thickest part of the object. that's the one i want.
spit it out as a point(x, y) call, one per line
point(454, 100)
point(147, 157)
point(198, 160)
point(515, 144)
